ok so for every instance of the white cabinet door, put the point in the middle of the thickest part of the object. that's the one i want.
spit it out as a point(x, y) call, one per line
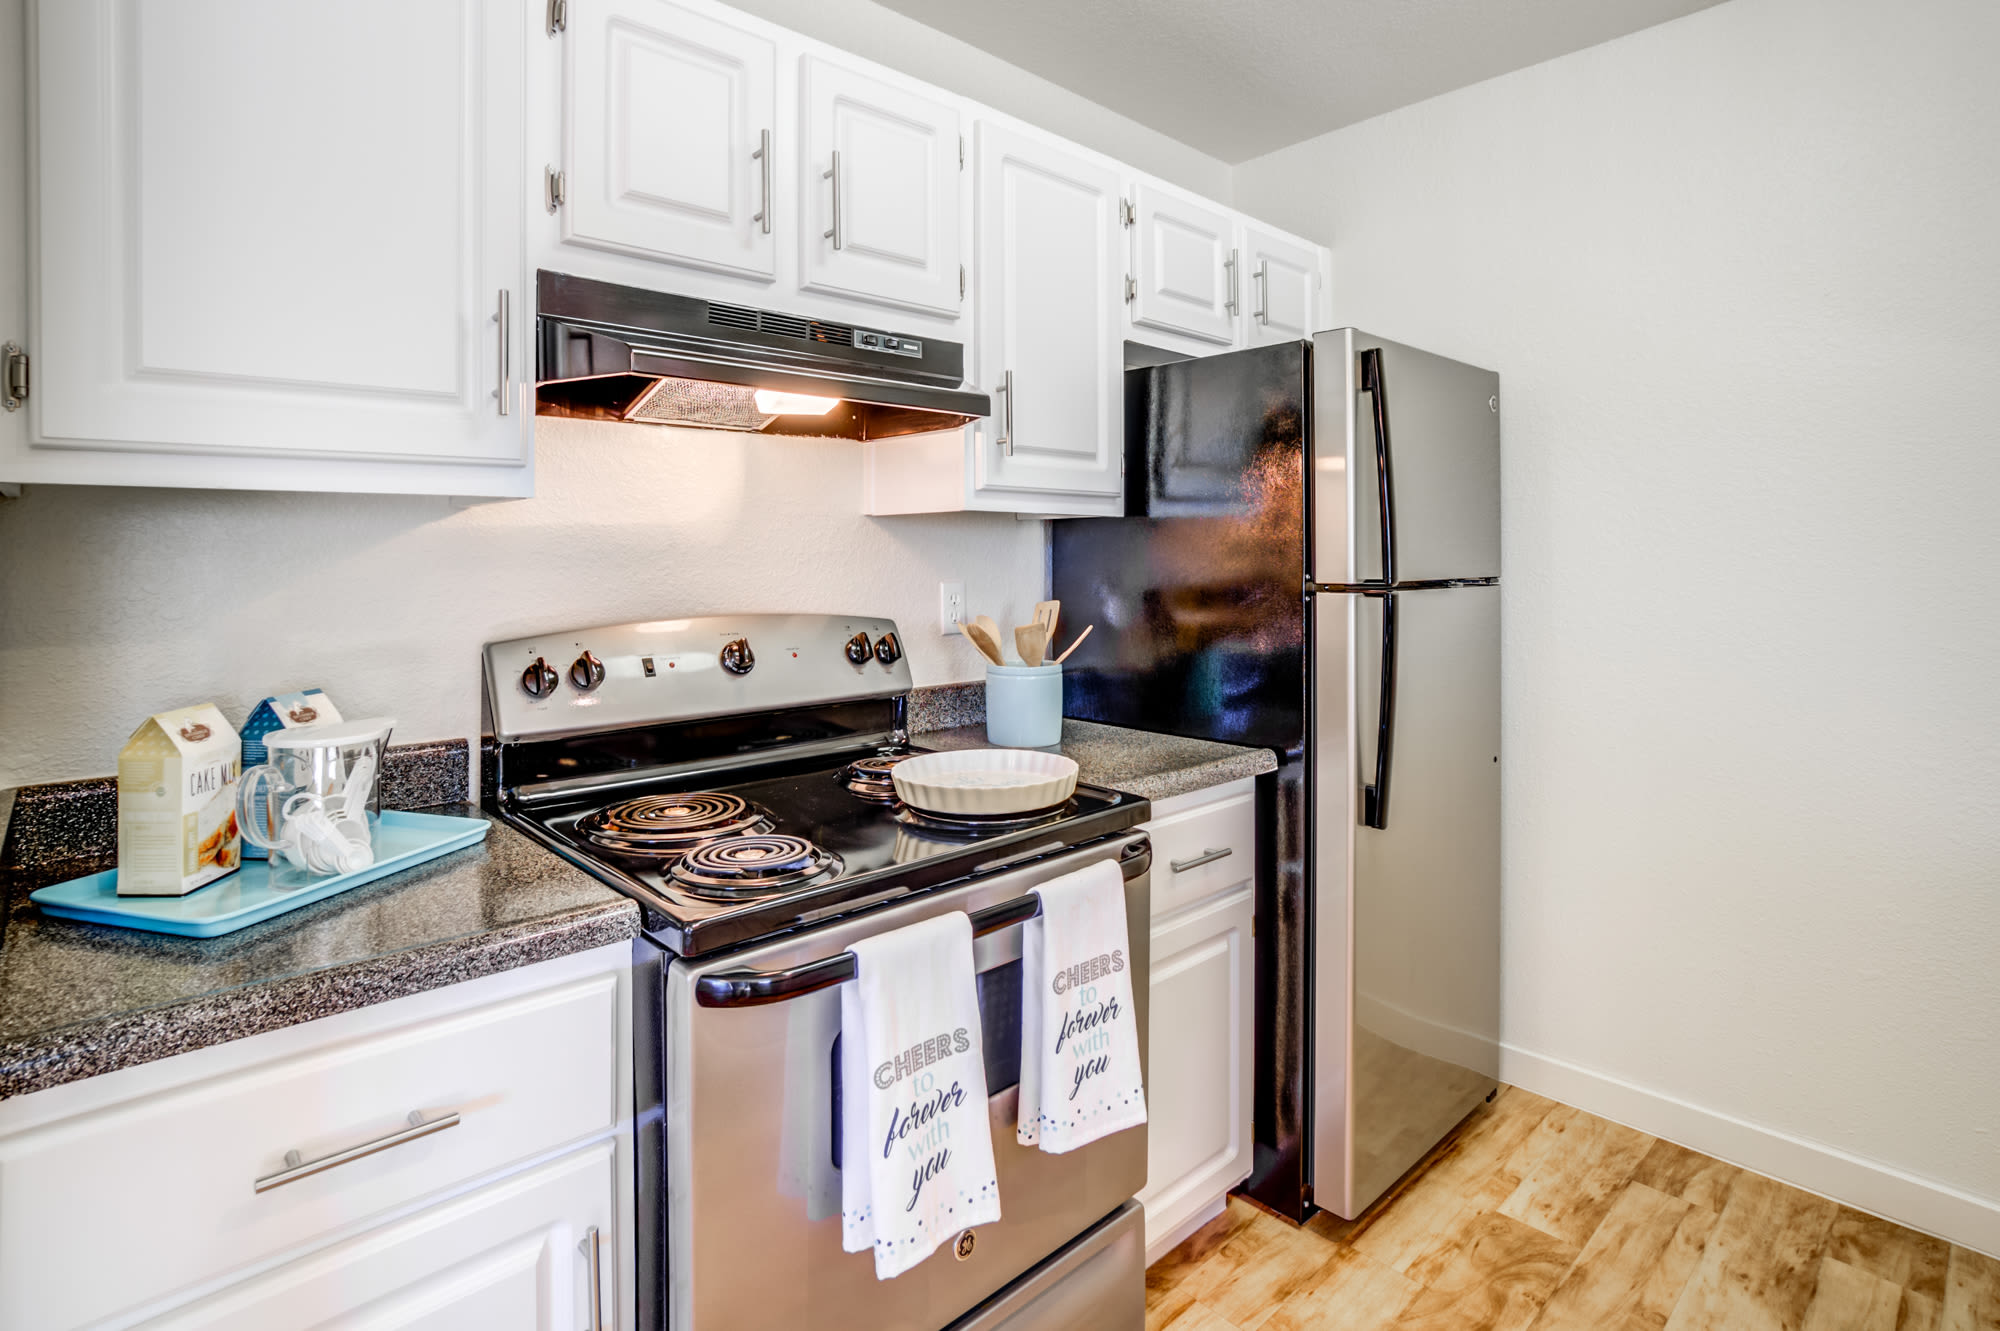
point(1184, 268)
point(281, 231)
point(513, 1256)
point(671, 128)
point(1050, 319)
point(1198, 1059)
point(1281, 287)
point(881, 181)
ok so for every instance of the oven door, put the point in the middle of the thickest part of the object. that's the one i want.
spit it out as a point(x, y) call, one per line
point(753, 1175)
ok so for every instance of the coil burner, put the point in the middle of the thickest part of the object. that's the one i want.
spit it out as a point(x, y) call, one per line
point(671, 824)
point(740, 865)
point(870, 779)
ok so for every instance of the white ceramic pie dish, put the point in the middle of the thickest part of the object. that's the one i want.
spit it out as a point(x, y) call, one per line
point(984, 781)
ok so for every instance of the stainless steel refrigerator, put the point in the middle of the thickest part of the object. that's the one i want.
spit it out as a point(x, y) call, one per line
point(1310, 562)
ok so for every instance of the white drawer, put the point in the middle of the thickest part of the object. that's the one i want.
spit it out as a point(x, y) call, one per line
point(1212, 836)
point(112, 1208)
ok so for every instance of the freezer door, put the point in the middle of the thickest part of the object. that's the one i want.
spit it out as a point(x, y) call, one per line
point(1442, 446)
point(1406, 980)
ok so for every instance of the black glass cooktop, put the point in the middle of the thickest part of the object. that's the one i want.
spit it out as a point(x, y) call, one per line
point(791, 844)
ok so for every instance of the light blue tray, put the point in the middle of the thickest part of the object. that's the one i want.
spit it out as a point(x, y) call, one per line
point(246, 897)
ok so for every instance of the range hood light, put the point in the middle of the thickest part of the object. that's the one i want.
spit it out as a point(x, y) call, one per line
point(773, 402)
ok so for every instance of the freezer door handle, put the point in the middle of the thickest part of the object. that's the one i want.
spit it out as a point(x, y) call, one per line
point(1385, 470)
point(1375, 797)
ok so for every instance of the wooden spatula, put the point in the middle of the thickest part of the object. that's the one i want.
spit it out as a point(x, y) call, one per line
point(1031, 642)
point(987, 643)
point(1046, 613)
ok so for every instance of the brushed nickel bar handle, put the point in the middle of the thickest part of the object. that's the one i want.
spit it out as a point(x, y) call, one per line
point(1263, 313)
point(1006, 439)
point(763, 157)
point(832, 233)
point(1208, 856)
point(296, 1168)
point(503, 316)
point(593, 1246)
point(1229, 267)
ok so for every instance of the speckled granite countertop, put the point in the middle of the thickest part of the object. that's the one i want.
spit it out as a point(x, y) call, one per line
point(1137, 762)
point(80, 999)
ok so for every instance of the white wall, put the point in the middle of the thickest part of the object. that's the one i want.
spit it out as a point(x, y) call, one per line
point(118, 603)
point(1740, 275)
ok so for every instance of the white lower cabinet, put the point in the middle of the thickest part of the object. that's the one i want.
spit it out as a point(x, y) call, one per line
point(514, 1256)
point(1202, 1011)
point(183, 1192)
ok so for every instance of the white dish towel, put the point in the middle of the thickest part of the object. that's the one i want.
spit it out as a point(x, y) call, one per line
point(1080, 1075)
point(916, 1148)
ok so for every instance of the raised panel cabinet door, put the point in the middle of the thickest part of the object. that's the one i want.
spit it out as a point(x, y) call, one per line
point(514, 1256)
point(1184, 266)
point(1047, 246)
point(281, 230)
point(881, 181)
point(1281, 291)
point(1198, 1093)
point(671, 133)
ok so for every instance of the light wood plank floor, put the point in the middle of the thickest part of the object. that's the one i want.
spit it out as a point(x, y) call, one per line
point(1537, 1217)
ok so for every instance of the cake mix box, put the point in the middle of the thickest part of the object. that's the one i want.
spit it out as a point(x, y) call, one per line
point(177, 803)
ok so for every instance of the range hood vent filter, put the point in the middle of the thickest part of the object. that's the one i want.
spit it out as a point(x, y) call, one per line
point(696, 402)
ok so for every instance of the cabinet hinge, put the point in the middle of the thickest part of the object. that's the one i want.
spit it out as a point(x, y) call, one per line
point(552, 188)
point(1127, 213)
point(558, 16)
point(961, 281)
point(13, 376)
point(1131, 288)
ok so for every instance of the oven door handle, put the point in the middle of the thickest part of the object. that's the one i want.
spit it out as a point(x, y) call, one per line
point(756, 988)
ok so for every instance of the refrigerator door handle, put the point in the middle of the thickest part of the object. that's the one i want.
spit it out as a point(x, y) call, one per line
point(1375, 797)
point(1385, 471)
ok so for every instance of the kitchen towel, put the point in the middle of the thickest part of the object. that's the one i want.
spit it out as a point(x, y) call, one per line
point(916, 1148)
point(1080, 1076)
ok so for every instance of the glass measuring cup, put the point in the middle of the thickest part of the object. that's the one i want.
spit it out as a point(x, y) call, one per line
point(315, 803)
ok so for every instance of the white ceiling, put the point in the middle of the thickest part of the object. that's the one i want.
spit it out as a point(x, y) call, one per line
point(1239, 78)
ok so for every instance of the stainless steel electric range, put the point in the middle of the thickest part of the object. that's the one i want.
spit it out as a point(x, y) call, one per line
point(732, 776)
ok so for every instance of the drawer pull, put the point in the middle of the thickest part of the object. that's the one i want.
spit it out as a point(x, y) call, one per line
point(1208, 856)
point(593, 1247)
point(296, 1168)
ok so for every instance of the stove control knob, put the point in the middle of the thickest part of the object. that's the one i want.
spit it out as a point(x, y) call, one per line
point(887, 650)
point(586, 672)
point(858, 649)
point(737, 658)
point(540, 679)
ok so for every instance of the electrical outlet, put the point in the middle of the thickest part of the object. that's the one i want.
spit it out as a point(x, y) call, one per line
point(951, 608)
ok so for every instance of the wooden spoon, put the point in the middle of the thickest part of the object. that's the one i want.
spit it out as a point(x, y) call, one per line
point(1031, 642)
point(987, 643)
point(1078, 643)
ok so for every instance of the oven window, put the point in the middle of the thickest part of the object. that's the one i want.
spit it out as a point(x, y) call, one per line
point(999, 1025)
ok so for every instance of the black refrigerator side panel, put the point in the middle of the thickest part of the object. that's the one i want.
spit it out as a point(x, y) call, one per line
point(1200, 616)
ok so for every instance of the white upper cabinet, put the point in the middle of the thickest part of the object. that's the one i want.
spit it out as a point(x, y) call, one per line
point(279, 246)
point(1281, 289)
point(881, 180)
point(1048, 259)
point(671, 125)
point(1184, 268)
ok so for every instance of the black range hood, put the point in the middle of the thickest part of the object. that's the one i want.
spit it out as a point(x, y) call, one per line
point(611, 352)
